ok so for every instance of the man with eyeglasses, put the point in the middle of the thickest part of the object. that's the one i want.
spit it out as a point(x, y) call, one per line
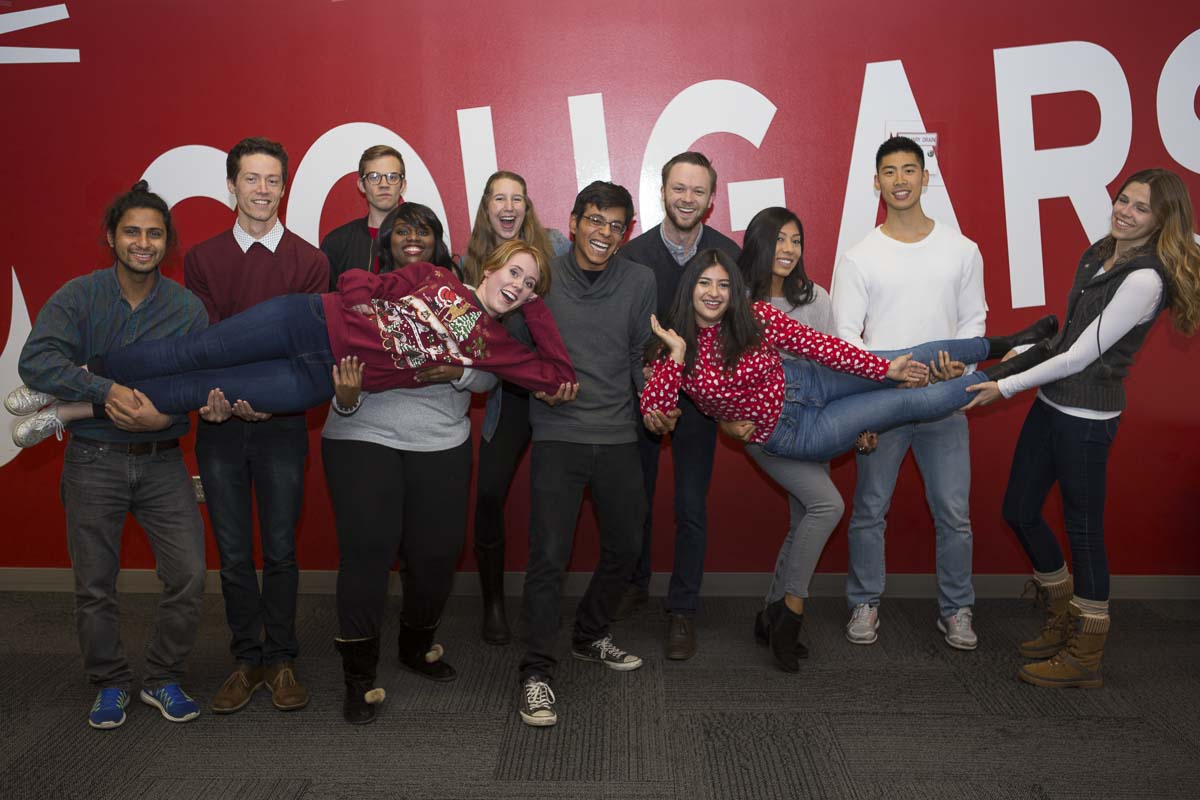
point(382, 182)
point(585, 436)
point(255, 456)
point(689, 183)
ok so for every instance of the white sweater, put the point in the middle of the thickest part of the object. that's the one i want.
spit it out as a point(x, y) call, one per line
point(889, 295)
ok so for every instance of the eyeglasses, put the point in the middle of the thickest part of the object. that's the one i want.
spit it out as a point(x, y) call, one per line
point(613, 225)
point(374, 178)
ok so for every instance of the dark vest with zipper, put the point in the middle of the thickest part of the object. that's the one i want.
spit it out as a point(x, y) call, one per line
point(1100, 385)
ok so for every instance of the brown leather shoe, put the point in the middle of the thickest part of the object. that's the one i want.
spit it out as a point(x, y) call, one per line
point(237, 690)
point(287, 693)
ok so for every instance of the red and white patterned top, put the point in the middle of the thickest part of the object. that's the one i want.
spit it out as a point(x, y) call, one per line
point(754, 390)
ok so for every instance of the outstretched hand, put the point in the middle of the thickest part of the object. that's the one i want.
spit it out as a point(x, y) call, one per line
point(945, 369)
point(347, 381)
point(676, 346)
point(741, 429)
point(986, 392)
point(565, 394)
point(659, 422)
point(217, 409)
point(905, 370)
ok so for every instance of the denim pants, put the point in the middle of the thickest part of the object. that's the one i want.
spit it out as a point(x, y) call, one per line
point(275, 355)
point(942, 452)
point(1073, 452)
point(824, 411)
point(814, 509)
point(99, 488)
point(390, 503)
point(693, 443)
point(559, 472)
point(240, 462)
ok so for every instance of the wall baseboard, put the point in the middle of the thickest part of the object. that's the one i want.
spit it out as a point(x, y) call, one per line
point(716, 584)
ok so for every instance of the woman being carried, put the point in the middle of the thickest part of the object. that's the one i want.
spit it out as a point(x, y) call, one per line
point(723, 351)
point(281, 355)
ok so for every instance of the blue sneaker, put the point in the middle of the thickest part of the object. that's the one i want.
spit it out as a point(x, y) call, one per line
point(172, 702)
point(109, 709)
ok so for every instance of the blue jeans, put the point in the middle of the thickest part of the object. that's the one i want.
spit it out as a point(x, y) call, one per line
point(99, 488)
point(240, 462)
point(824, 411)
point(275, 355)
point(942, 452)
point(693, 444)
point(1073, 452)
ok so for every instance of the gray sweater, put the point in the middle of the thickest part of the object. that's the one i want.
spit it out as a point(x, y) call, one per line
point(605, 326)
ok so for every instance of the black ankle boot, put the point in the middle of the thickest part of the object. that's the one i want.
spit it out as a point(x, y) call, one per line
point(1044, 328)
point(1020, 362)
point(358, 668)
point(764, 620)
point(785, 639)
point(491, 584)
point(421, 655)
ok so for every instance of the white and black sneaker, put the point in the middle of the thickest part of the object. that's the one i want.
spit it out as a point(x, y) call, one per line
point(603, 651)
point(537, 703)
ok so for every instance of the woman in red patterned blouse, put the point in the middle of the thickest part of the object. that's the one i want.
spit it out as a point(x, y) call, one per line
point(722, 351)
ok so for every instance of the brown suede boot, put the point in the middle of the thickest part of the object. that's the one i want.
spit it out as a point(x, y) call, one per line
point(1055, 598)
point(1078, 664)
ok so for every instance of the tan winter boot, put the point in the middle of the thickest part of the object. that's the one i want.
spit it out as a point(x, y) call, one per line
point(1078, 664)
point(1054, 597)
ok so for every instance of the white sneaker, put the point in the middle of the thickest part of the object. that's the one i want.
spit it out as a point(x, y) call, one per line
point(537, 703)
point(38, 427)
point(23, 400)
point(863, 626)
point(959, 633)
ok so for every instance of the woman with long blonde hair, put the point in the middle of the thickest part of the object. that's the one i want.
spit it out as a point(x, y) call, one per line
point(1149, 262)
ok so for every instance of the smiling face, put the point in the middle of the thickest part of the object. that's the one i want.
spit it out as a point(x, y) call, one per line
point(411, 242)
point(510, 286)
point(789, 246)
point(595, 243)
point(258, 189)
point(900, 179)
point(506, 208)
point(687, 195)
point(710, 298)
point(383, 196)
point(1133, 220)
point(140, 240)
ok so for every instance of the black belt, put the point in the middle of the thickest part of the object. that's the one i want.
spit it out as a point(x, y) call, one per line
point(129, 448)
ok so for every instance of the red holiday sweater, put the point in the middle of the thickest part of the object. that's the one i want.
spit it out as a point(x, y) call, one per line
point(425, 316)
point(754, 390)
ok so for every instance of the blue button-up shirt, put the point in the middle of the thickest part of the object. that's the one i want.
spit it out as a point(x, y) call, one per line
point(88, 317)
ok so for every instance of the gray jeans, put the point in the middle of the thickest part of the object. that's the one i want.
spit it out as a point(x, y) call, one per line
point(99, 488)
point(814, 509)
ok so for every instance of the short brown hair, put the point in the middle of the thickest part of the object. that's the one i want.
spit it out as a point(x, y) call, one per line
point(692, 157)
point(378, 151)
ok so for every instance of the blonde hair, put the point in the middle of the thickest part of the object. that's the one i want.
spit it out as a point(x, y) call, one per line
point(1174, 243)
point(505, 252)
point(484, 240)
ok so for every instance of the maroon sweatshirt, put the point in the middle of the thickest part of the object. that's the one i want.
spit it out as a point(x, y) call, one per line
point(228, 281)
point(425, 316)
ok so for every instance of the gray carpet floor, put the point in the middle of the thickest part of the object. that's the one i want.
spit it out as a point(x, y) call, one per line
point(905, 718)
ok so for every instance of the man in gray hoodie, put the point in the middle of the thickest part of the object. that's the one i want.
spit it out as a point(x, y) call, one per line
point(586, 436)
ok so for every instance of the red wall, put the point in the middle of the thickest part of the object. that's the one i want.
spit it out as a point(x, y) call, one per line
point(154, 76)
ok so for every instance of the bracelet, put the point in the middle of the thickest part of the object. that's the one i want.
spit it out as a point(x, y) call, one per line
point(345, 412)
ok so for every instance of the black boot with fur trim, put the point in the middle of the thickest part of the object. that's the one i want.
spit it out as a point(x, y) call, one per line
point(419, 653)
point(359, 658)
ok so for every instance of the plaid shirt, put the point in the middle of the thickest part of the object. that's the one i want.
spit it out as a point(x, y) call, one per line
point(88, 317)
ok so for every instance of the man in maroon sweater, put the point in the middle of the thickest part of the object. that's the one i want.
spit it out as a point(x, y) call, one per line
point(255, 454)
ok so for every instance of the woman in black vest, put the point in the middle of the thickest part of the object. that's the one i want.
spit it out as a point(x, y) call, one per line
point(1147, 263)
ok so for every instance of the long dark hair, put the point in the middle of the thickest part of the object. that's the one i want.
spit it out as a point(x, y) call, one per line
point(413, 214)
point(740, 330)
point(757, 260)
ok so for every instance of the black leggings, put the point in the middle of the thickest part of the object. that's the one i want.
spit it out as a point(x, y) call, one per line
point(390, 503)
point(498, 460)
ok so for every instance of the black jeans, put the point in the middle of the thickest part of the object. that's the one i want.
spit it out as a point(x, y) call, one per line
point(559, 472)
point(240, 462)
point(1073, 452)
point(390, 503)
point(693, 443)
point(498, 460)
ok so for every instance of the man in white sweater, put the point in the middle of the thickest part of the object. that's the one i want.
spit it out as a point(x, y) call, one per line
point(911, 280)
